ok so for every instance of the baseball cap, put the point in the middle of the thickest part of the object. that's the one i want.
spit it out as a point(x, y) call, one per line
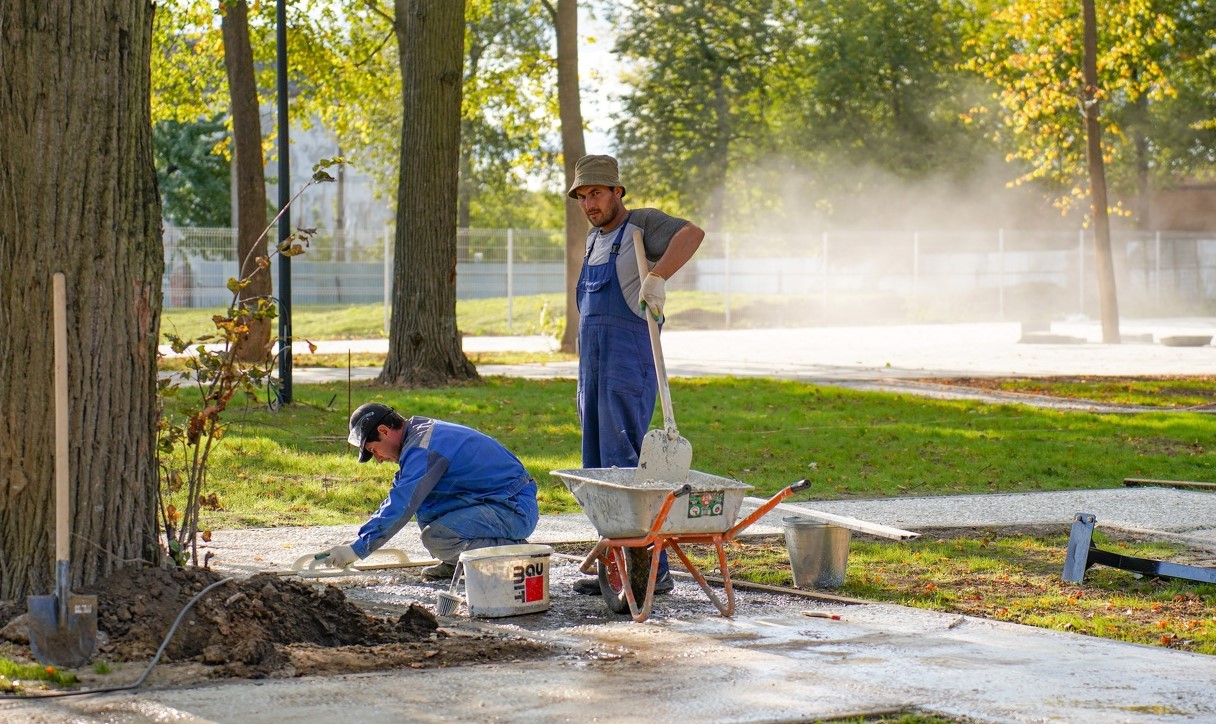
point(363, 421)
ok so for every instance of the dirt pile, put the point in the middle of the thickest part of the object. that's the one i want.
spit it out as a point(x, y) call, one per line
point(270, 625)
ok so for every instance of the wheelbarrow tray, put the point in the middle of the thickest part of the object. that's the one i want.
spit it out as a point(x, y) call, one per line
point(621, 507)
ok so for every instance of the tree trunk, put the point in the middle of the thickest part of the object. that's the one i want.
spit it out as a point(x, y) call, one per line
point(424, 346)
point(250, 175)
point(573, 148)
point(80, 197)
point(1097, 182)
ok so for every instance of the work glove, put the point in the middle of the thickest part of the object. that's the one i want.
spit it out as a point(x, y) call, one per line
point(653, 295)
point(339, 556)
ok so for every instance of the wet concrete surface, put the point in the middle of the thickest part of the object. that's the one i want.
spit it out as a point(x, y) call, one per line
point(769, 662)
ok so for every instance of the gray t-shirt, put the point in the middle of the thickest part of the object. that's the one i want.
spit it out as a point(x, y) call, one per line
point(657, 229)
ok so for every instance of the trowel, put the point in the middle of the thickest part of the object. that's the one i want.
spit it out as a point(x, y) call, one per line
point(665, 455)
point(63, 626)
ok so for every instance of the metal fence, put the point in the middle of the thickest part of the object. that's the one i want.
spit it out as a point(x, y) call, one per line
point(824, 276)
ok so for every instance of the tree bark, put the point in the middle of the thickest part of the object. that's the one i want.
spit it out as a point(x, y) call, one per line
point(79, 196)
point(1108, 299)
point(573, 148)
point(250, 175)
point(424, 347)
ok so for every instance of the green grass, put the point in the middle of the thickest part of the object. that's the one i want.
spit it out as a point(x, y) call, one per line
point(528, 315)
point(19, 678)
point(294, 467)
point(1013, 578)
point(1149, 391)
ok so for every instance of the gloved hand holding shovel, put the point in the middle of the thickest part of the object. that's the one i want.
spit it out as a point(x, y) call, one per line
point(653, 295)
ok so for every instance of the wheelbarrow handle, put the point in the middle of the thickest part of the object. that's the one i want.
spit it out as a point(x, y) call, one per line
point(800, 486)
point(684, 490)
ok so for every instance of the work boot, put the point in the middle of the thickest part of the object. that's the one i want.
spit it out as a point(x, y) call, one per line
point(587, 586)
point(591, 586)
point(439, 572)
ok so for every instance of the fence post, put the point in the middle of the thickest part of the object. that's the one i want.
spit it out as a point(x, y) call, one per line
point(726, 275)
point(1081, 271)
point(510, 275)
point(823, 281)
point(1000, 273)
point(1157, 273)
point(388, 276)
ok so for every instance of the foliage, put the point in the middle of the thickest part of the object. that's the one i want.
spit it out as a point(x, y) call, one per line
point(188, 435)
point(701, 75)
point(1032, 50)
point(194, 179)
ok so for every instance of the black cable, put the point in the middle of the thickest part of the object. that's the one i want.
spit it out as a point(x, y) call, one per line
point(138, 682)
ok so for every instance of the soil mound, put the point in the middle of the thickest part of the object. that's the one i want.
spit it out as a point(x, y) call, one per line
point(270, 625)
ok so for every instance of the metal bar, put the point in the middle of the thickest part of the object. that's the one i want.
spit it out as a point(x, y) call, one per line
point(1082, 553)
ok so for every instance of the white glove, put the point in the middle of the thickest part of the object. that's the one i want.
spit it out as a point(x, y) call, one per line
point(339, 556)
point(653, 294)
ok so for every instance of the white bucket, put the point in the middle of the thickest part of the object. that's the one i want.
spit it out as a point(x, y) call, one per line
point(506, 580)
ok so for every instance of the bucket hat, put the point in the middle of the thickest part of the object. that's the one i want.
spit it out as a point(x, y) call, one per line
point(596, 171)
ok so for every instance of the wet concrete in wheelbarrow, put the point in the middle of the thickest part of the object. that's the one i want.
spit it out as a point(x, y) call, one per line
point(768, 662)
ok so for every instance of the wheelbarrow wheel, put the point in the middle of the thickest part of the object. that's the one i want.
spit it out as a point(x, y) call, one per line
point(613, 582)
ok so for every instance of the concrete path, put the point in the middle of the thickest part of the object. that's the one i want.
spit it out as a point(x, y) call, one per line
point(768, 662)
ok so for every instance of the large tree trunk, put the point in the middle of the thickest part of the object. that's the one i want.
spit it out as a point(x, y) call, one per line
point(573, 148)
point(1108, 299)
point(250, 175)
point(79, 196)
point(424, 346)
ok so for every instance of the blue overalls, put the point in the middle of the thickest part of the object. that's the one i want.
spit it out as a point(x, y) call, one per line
point(617, 384)
point(616, 377)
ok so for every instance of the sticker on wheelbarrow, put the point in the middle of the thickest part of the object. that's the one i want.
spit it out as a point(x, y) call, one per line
point(529, 582)
point(705, 505)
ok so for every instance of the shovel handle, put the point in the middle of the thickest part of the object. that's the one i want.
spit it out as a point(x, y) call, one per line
point(62, 544)
point(669, 416)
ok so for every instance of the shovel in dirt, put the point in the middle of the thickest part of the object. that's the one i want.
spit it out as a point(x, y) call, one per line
point(63, 626)
point(665, 455)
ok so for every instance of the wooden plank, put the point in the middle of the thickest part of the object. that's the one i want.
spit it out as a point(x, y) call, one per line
point(861, 526)
point(1134, 482)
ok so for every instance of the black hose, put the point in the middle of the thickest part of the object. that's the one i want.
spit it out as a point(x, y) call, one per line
point(138, 682)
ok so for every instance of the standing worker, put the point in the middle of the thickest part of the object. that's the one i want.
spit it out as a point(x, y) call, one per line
point(467, 490)
point(617, 383)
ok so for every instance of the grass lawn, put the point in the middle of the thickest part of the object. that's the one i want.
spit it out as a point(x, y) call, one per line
point(294, 467)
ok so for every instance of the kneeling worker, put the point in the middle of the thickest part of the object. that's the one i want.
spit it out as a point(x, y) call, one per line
point(467, 490)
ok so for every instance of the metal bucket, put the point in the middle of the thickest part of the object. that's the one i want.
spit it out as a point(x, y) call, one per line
point(819, 552)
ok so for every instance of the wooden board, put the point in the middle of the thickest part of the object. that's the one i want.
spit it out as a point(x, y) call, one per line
point(861, 526)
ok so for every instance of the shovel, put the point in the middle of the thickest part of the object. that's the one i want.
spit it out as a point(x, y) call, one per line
point(63, 627)
point(665, 455)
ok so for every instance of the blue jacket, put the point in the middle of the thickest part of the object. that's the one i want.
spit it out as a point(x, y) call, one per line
point(444, 467)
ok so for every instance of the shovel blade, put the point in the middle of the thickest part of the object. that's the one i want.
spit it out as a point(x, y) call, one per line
point(664, 458)
point(66, 642)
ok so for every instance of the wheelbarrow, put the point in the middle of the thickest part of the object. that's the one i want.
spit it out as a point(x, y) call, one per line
point(637, 519)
